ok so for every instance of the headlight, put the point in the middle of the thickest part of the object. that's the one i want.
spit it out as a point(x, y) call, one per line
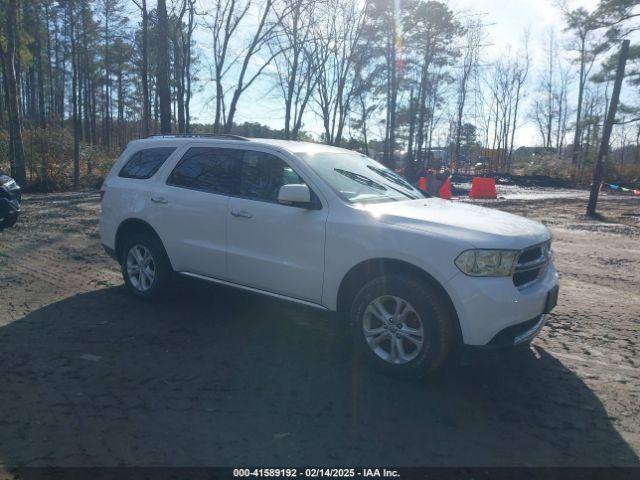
point(10, 184)
point(487, 263)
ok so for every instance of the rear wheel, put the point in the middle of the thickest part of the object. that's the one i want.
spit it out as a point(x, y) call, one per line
point(8, 221)
point(145, 267)
point(402, 325)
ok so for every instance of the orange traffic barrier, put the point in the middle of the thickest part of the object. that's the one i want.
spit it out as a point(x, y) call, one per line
point(483, 188)
point(445, 189)
point(423, 184)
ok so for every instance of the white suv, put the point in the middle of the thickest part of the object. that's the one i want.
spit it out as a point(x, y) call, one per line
point(332, 229)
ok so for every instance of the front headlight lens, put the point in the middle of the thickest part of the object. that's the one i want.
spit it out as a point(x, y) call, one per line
point(487, 263)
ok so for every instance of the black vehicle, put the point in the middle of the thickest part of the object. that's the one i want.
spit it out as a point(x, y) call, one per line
point(10, 199)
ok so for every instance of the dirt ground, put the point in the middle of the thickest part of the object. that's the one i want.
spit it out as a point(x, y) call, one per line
point(91, 377)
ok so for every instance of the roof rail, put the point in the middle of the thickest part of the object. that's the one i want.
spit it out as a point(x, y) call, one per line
point(227, 136)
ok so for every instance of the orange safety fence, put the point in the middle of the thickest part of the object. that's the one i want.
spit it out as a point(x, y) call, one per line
point(445, 189)
point(483, 188)
point(437, 187)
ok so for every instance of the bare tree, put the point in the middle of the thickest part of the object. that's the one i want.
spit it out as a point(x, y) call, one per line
point(224, 24)
point(146, 113)
point(520, 72)
point(71, 17)
point(162, 75)
point(549, 86)
point(382, 37)
point(336, 46)
point(366, 104)
point(295, 51)
point(470, 51)
point(9, 57)
point(582, 25)
point(562, 104)
point(431, 30)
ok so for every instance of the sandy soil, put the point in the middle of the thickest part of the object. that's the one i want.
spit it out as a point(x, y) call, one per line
point(89, 376)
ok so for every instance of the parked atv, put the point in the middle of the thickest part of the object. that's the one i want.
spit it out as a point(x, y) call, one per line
point(10, 199)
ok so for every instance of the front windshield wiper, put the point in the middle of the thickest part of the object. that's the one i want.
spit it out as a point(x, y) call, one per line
point(356, 177)
point(390, 176)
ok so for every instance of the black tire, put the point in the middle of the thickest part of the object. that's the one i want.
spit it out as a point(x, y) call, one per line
point(437, 324)
point(163, 273)
point(8, 221)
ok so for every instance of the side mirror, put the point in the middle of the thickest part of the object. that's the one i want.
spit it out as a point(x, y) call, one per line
point(295, 194)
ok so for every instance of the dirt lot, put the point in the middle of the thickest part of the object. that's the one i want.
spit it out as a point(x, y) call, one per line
point(89, 376)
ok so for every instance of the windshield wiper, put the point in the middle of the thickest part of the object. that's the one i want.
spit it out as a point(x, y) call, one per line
point(356, 177)
point(390, 176)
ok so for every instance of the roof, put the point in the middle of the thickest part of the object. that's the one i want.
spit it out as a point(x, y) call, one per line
point(288, 145)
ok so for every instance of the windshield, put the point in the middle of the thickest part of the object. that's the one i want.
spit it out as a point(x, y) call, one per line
point(357, 178)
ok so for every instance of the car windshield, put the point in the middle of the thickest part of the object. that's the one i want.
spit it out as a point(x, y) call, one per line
point(357, 178)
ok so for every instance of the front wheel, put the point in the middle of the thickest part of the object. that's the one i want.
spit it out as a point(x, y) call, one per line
point(402, 325)
point(145, 267)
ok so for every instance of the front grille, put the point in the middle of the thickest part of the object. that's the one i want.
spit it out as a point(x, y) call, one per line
point(15, 195)
point(530, 254)
point(531, 263)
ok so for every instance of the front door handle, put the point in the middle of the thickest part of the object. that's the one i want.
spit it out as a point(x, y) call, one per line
point(241, 213)
point(159, 200)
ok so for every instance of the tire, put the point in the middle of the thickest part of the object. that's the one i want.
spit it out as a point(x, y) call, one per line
point(154, 278)
point(8, 221)
point(424, 328)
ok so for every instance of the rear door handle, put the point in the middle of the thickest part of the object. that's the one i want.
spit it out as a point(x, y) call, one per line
point(241, 213)
point(159, 200)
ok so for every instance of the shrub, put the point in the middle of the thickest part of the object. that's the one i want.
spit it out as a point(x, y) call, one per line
point(49, 160)
point(555, 167)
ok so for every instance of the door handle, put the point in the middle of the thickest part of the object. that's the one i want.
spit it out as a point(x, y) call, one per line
point(241, 213)
point(159, 200)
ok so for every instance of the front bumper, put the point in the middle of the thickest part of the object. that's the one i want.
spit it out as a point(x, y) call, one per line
point(493, 313)
point(508, 340)
point(514, 335)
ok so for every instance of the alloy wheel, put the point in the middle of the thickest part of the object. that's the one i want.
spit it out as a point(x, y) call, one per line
point(141, 268)
point(393, 329)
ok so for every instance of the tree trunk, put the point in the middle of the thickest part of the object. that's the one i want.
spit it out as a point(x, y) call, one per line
point(179, 81)
point(146, 114)
point(107, 84)
point(581, 82)
point(164, 93)
point(606, 133)
point(41, 105)
point(17, 158)
point(74, 97)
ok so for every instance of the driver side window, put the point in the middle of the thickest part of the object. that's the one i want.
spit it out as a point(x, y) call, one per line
point(262, 175)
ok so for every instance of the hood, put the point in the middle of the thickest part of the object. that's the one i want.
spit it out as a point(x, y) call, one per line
point(479, 226)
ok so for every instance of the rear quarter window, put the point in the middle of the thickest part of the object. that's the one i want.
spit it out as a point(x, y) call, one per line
point(145, 163)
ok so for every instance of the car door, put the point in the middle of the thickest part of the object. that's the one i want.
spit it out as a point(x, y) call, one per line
point(270, 246)
point(193, 208)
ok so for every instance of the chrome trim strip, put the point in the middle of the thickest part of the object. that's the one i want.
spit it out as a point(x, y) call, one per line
point(254, 290)
point(523, 267)
point(528, 284)
point(532, 332)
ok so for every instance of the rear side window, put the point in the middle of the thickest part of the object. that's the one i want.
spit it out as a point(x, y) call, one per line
point(208, 169)
point(262, 175)
point(145, 163)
